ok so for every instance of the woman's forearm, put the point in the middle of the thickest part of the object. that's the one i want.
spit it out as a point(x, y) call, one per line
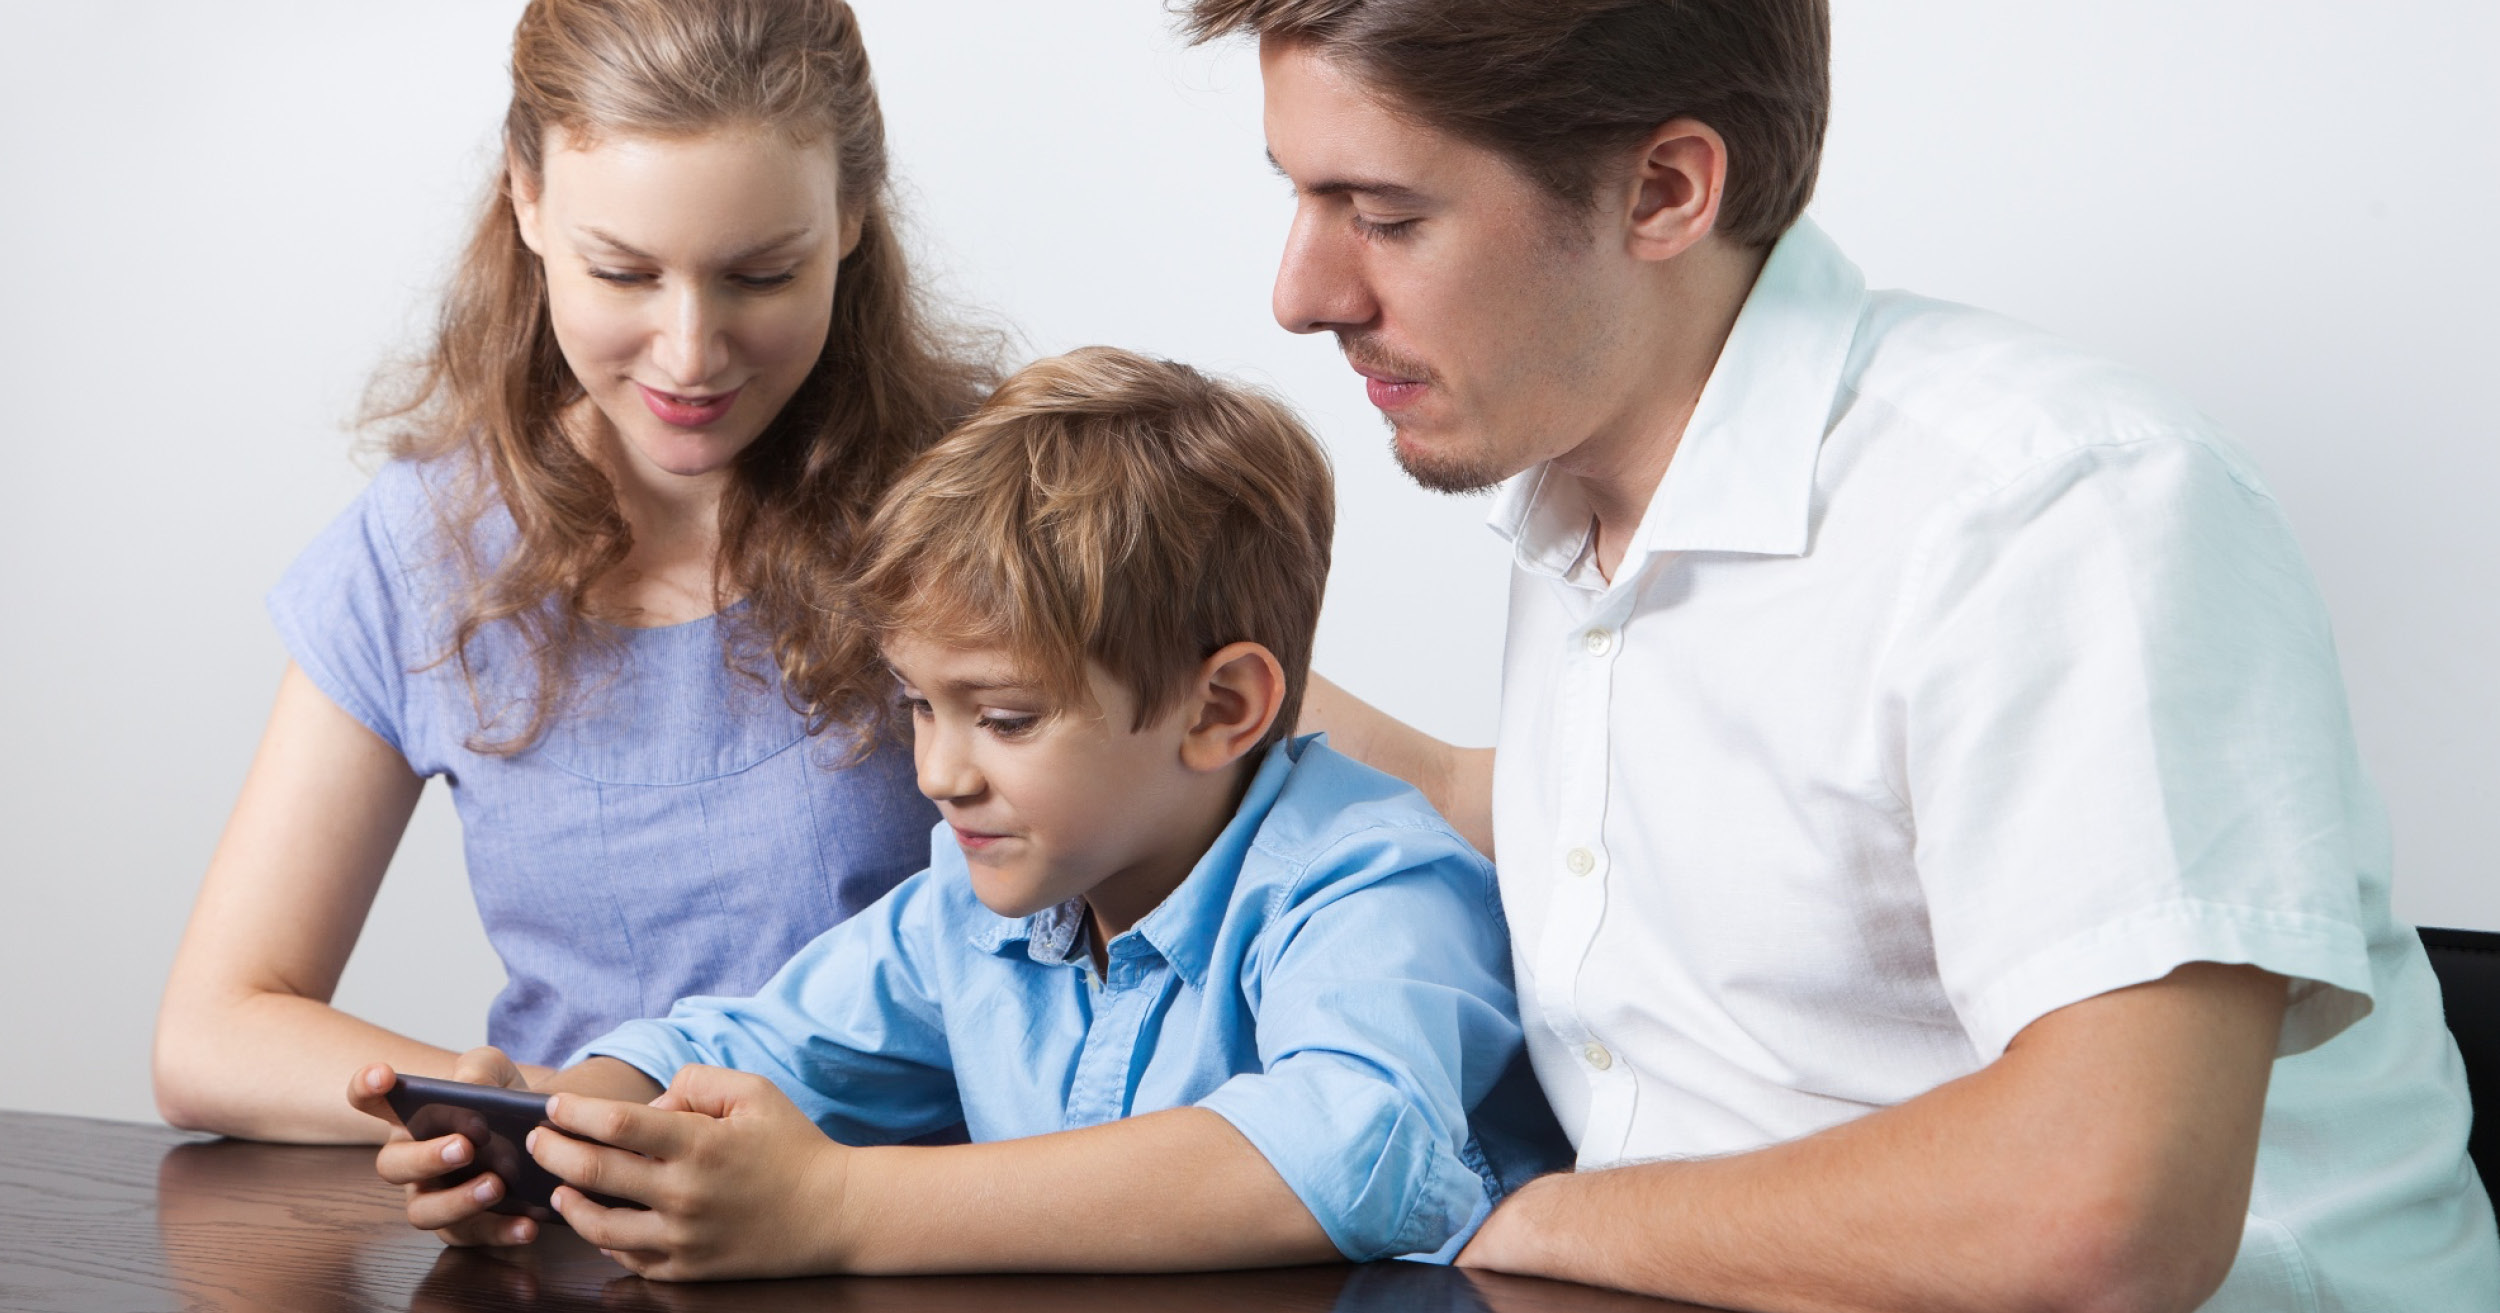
point(273, 1066)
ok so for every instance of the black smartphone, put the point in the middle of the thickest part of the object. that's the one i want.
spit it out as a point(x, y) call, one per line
point(497, 1123)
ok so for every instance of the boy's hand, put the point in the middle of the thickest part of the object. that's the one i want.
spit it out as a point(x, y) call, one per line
point(456, 1213)
point(738, 1181)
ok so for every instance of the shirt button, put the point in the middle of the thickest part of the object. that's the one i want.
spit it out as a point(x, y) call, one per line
point(1599, 1058)
point(1580, 861)
point(1600, 641)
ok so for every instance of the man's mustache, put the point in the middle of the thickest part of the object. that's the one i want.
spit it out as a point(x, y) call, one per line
point(1366, 352)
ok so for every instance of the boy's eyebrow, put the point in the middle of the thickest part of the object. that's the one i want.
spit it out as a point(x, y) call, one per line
point(985, 685)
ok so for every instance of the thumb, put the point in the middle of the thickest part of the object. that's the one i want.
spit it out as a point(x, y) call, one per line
point(711, 1091)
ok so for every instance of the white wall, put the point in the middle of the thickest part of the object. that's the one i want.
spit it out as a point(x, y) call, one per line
point(220, 217)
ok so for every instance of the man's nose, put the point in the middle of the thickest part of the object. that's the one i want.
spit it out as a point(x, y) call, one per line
point(691, 345)
point(1320, 283)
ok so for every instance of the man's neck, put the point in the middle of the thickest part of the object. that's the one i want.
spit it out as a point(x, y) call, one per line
point(1681, 320)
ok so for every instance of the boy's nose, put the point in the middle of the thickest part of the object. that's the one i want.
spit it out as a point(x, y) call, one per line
point(946, 774)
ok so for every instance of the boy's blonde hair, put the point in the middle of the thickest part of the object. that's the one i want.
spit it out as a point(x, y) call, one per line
point(1102, 506)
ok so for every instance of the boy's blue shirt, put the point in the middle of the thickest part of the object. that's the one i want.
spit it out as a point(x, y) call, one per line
point(1333, 978)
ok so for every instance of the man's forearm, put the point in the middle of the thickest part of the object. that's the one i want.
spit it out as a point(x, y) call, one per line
point(2103, 1163)
point(1167, 1191)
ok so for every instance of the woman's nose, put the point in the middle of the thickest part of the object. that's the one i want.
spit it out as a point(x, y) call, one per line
point(691, 345)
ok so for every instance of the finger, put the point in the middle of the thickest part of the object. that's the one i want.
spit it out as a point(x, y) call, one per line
point(408, 1162)
point(647, 1130)
point(366, 1091)
point(640, 1232)
point(434, 1210)
point(488, 1066)
point(595, 1166)
point(489, 1229)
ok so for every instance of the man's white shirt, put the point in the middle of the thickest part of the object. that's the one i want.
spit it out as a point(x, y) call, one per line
point(1952, 677)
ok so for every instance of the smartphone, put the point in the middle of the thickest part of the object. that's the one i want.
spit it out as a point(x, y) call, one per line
point(497, 1123)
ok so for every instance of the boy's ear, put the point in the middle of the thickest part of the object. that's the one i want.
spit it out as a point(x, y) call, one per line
point(1238, 694)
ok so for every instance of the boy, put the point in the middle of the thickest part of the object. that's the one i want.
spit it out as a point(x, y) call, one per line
point(1203, 996)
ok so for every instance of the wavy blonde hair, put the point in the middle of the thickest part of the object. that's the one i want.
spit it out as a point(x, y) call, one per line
point(491, 390)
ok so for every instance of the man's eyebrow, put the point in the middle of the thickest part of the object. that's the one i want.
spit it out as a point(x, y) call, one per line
point(1391, 193)
point(765, 247)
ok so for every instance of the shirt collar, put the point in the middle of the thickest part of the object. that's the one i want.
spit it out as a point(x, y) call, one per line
point(1181, 927)
point(1743, 476)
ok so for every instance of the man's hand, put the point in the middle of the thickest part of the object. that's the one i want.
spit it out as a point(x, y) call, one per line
point(737, 1181)
point(457, 1213)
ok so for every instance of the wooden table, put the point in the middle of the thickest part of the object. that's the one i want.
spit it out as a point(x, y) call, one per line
point(119, 1218)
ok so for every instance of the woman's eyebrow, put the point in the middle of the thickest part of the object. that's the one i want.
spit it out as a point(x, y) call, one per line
point(766, 247)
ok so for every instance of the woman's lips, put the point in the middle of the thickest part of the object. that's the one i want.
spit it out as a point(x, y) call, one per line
point(688, 412)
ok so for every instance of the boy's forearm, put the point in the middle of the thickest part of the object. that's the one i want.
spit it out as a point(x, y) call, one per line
point(1173, 1190)
point(606, 1078)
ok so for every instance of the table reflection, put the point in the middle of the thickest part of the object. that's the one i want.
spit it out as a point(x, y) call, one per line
point(275, 1227)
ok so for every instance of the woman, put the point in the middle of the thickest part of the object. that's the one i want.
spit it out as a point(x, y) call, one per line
point(681, 358)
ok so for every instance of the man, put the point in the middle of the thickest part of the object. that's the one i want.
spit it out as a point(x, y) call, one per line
point(1939, 868)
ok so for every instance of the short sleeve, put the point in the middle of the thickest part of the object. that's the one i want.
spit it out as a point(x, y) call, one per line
point(2125, 743)
point(1385, 1014)
point(347, 610)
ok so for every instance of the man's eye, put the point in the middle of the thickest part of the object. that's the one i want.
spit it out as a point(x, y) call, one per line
point(1384, 231)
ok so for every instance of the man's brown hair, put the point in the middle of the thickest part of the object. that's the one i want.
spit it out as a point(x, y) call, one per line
point(1557, 86)
point(1109, 507)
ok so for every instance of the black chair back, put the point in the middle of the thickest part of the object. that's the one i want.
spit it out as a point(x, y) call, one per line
point(2468, 965)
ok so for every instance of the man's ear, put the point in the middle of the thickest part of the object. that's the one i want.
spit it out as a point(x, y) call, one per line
point(1678, 179)
point(1238, 693)
point(524, 193)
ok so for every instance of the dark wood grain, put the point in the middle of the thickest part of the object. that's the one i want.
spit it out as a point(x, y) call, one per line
point(108, 1217)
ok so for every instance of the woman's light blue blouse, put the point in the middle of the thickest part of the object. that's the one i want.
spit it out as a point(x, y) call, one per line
point(676, 832)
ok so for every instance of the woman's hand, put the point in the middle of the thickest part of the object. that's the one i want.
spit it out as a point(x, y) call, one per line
point(457, 1213)
point(738, 1182)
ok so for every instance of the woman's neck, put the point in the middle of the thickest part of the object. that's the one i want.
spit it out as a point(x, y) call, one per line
point(668, 577)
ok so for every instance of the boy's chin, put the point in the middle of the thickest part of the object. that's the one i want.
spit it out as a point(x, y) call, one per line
point(1013, 899)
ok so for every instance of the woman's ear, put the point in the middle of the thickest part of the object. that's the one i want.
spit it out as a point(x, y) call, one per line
point(524, 193)
point(1238, 693)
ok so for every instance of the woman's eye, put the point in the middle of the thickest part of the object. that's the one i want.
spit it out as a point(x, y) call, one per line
point(763, 282)
point(620, 277)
